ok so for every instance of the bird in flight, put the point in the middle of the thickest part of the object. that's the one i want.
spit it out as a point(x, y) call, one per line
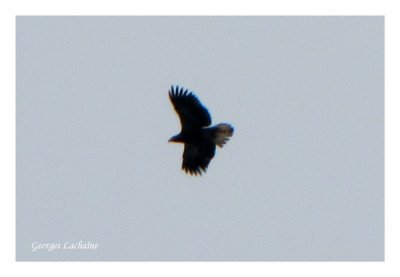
point(200, 141)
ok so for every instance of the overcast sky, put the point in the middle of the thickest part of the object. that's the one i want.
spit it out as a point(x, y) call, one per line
point(301, 179)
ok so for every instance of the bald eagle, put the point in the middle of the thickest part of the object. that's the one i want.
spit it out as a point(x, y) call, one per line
point(200, 142)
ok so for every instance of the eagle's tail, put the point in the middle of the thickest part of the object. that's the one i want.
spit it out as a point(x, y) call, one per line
point(223, 133)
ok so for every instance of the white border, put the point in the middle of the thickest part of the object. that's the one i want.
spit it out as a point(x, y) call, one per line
point(205, 7)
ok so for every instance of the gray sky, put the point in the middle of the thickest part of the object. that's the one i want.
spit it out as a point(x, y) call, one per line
point(301, 179)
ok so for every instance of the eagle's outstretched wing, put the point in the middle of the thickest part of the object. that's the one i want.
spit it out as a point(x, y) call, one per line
point(196, 157)
point(191, 112)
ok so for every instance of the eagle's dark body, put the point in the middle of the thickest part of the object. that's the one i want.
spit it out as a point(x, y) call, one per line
point(200, 141)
